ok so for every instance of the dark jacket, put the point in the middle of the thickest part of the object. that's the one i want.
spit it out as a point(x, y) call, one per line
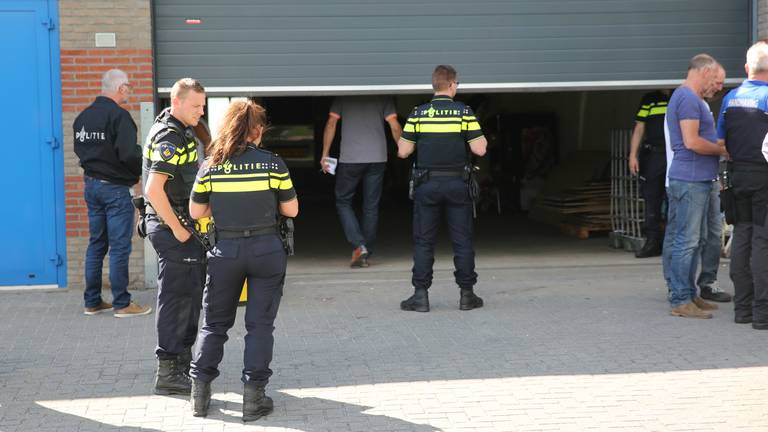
point(105, 142)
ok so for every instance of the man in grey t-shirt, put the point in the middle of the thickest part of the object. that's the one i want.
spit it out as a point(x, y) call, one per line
point(363, 159)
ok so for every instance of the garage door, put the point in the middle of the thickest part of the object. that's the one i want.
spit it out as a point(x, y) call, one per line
point(368, 46)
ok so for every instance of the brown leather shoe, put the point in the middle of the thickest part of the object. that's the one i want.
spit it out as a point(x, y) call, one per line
point(103, 307)
point(359, 257)
point(132, 310)
point(705, 306)
point(689, 310)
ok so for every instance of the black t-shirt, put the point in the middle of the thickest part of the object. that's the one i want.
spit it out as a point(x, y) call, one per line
point(244, 192)
point(441, 130)
point(105, 142)
point(651, 112)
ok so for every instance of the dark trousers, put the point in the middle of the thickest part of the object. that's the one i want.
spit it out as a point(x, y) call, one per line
point(348, 176)
point(259, 260)
point(440, 194)
point(110, 224)
point(749, 250)
point(653, 171)
point(180, 282)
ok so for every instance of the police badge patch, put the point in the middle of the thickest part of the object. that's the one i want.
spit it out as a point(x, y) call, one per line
point(166, 151)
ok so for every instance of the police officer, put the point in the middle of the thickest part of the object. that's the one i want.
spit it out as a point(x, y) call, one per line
point(743, 126)
point(439, 132)
point(171, 158)
point(651, 164)
point(244, 188)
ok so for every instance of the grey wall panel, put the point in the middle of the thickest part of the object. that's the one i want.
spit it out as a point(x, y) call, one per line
point(243, 43)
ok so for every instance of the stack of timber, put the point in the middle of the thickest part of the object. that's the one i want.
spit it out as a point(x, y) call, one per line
point(580, 210)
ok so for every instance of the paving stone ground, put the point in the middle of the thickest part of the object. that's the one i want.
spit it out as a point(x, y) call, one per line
point(564, 344)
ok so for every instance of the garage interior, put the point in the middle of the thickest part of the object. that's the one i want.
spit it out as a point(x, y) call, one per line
point(558, 140)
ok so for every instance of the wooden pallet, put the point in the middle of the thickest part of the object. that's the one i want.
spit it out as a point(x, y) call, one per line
point(582, 231)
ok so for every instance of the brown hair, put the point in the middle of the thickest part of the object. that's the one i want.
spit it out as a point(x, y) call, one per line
point(239, 122)
point(442, 77)
point(183, 86)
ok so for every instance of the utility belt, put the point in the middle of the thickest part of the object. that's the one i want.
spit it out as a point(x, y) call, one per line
point(227, 234)
point(468, 173)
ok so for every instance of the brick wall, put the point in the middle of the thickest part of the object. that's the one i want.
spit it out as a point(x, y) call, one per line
point(82, 65)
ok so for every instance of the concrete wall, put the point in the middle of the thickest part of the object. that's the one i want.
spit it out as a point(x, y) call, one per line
point(82, 65)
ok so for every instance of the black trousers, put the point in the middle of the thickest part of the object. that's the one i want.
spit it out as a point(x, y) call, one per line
point(261, 261)
point(430, 199)
point(180, 281)
point(749, 250)
point(653, 172)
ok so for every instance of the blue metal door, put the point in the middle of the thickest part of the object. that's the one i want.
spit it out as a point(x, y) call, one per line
point(31, 252)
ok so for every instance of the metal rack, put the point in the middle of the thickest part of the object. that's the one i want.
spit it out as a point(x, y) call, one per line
point(627, 206)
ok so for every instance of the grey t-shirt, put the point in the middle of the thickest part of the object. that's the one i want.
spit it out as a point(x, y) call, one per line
point(362, 127)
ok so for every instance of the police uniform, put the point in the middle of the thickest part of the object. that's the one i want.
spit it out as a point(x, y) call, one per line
point(743, 124)
point(244, 195)
point(440, 131)
point(171, 150)
point(653, 162)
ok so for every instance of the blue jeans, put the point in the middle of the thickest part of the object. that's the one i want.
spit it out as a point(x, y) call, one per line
point(688, 208)
point(110, 223)
point(348, 176)
point(711, 243)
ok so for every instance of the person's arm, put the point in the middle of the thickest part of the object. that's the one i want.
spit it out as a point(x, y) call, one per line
point(200, 196)
point(290, 208)
point(199, 210)
point(695, 143)
point(280, 180)
point(634, 146)
point(394, 127)
point(125, 144)
point(405, 148)
point(478, 146)
point(328, 134)
point(159, 201)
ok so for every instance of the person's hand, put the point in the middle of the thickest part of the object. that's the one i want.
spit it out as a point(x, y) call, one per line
point(634, 165)
point(181, 234)
point(324, 164)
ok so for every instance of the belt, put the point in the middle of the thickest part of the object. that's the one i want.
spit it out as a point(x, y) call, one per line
point(222, 234)
point(446, 173)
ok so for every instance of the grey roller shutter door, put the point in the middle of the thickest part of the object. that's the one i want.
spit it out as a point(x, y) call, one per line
point(359, 44)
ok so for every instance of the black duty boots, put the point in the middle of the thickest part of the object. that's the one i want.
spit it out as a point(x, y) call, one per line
point(469, 300)
point(201, 398)
point(255, 403)
point(170, 379)
point(418, 302)
point(651, 248)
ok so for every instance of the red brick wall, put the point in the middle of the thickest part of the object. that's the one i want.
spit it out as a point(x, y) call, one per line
point(82, 66)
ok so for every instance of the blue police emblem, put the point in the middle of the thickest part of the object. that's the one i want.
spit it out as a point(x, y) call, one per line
point(167, 151)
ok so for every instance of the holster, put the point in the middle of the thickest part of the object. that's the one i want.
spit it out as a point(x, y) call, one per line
point(418, 177)
point(285, 229)
point(141, 206)
point(473, 186)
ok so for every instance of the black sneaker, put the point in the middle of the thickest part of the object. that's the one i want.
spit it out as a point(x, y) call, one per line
point(469, 300)
point(418, 302)
point(714, 293)
point(651, 248)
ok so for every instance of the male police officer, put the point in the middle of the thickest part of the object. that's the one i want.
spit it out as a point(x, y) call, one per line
point(105, 142)
point(743, 126)
point(439, 131)
point(170, 157)
point(650, 162)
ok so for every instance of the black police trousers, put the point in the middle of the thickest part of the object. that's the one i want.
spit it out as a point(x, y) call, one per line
point(429, 200)
point(653, 173)
point(749, 249)
point(260, 260)
point(181, 276)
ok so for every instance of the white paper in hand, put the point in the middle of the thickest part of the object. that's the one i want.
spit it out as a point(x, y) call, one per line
point(330, 164)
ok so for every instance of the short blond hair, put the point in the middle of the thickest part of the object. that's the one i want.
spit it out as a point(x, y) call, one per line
point(183, 86)
point(442, 77)
point(757, 57)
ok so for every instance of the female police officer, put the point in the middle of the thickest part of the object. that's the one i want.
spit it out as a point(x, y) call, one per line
point(243, 187)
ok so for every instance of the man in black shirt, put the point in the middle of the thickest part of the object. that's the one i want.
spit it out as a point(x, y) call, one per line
point(105, 142)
